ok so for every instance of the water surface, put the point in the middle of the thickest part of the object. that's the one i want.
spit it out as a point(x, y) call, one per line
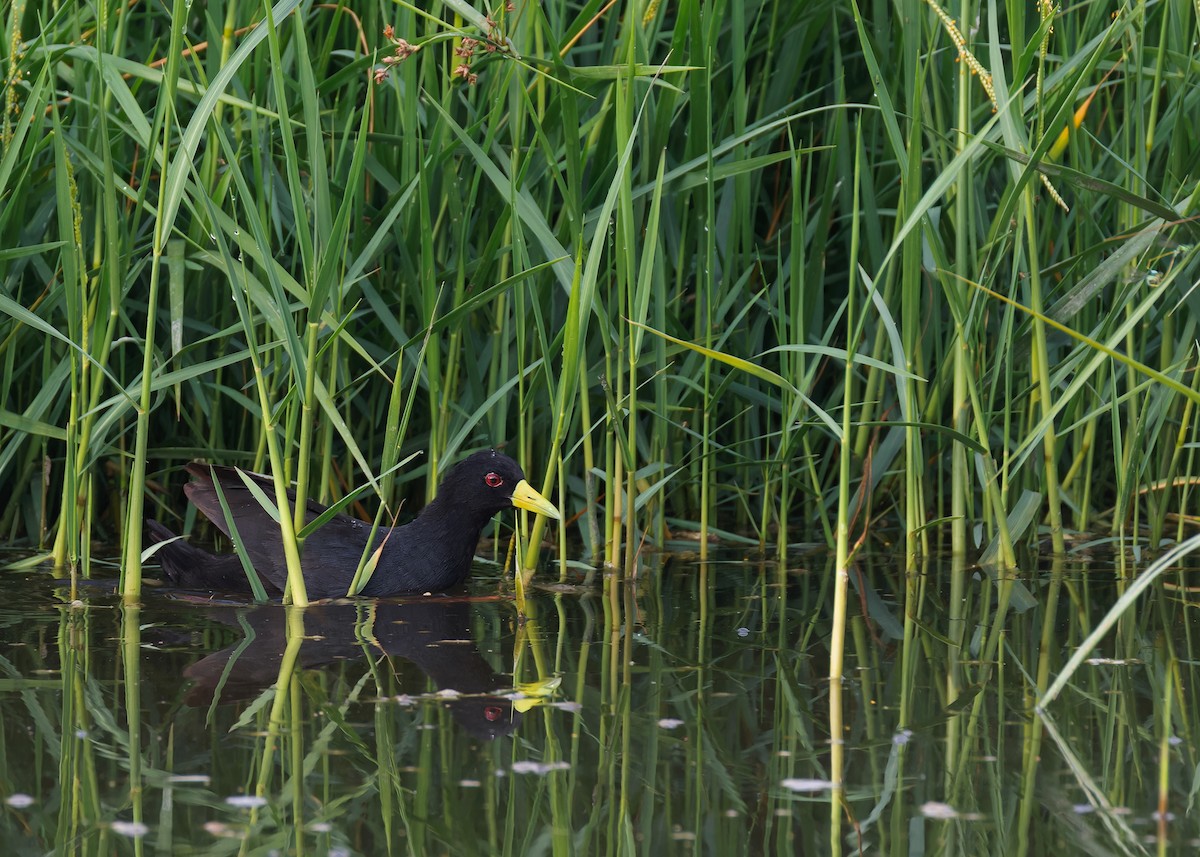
point(681, 712)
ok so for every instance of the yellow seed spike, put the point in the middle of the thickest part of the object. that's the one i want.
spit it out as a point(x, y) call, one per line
point(1060, 144)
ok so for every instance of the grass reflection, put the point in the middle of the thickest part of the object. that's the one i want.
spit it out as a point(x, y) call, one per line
point(684, 711)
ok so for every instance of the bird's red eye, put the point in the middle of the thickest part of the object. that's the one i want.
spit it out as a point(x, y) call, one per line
point(493, 713)
point(494, 480)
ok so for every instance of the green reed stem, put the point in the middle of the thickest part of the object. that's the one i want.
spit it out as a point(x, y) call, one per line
point(845, 512)
point(132, 563)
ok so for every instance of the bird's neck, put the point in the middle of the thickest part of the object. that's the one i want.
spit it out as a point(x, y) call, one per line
point(443, 542)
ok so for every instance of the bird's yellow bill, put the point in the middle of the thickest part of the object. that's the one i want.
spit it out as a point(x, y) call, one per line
point(524, 497)
point(534, 693)
point(540, 688)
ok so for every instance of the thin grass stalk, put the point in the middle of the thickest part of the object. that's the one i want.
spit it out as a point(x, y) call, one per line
point(792, 363)
point(955, 678)
point(1032, 750)
point(652, 748)
point(310, 238)
point(430, 298)
point(278, 717)
point(296, 736)
point(107, 259)
point(77, 748)
point(131, 567)
point(326, 452)
point(1193, 428)
point(703, 637)
point(912, 322)
point(1041, 378)
point(208, 168)
point(572, 368)
point(609, 690)
point(591, 531)
point(616, 485)
point(447, 385)
point(307, 418)
point(131, 653)
point(837, 640)
point(522, 340)
point(67, 542)
point(960, 478)
point(500, 342)
point(638, 306)
point(1166, 734)
point(625, 714)
point(661, 410)
point(514, 236)
point(565, 664)
point(609, 525)
point(706, 296)
point(624, 267)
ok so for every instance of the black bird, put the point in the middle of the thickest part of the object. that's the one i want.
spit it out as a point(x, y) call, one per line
point(431, 553)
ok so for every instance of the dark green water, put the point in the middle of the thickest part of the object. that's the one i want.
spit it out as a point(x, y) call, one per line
point(690, 716)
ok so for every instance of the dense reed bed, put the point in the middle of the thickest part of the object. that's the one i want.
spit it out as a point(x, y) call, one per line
point(711, 269)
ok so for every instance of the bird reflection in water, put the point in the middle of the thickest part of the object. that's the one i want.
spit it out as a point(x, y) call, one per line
point(434, 634)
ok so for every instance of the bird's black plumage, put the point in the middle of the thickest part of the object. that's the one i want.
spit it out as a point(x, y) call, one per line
point(430, 554)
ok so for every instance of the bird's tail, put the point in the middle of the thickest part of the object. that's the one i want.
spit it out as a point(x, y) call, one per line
point(189, 567)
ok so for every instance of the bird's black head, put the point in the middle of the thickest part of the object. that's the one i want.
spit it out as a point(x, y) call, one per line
point(487, 482)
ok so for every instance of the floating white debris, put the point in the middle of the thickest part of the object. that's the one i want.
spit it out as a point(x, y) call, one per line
point(246, 801)
point(799, 784)
point(539, 768)
point(938, 810)
point(132, 829)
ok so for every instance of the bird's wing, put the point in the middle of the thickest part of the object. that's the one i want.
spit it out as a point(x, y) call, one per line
point(330, 554)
